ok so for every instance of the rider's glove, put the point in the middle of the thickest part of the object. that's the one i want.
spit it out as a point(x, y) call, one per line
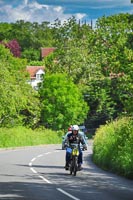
point(66, 145)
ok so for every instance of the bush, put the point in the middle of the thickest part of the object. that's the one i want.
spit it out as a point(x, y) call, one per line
point(22, 136)
point(113, 147)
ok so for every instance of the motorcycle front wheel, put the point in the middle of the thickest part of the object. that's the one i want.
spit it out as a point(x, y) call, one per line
point(73, 166)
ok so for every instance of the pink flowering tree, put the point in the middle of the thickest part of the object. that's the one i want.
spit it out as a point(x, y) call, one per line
point(14, 47)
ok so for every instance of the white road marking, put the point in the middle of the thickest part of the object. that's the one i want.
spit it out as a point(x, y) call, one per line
point(34, 171)
point(46, 180)
point(67, 194)
point(33, 159)
point(13, 196)
point(40, 155)
point(48, 153)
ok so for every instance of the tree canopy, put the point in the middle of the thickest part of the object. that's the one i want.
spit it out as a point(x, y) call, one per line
point(99, 60)
point(62, 103)
point(18, 102)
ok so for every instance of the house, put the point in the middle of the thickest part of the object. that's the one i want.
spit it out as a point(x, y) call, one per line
point(46, 51)
point(36, 74)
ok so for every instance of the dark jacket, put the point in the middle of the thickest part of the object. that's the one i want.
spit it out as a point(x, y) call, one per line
point(77, 139)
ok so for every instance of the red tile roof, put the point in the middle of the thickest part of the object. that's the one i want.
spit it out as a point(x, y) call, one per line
point(32, 70)
point(46, 51)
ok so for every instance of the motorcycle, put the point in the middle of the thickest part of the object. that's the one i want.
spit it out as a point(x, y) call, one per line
point(73, 166)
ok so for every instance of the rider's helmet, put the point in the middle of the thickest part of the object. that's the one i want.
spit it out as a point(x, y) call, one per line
point(75, 127)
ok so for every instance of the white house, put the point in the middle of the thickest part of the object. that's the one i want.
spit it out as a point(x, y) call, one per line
point(36, 74)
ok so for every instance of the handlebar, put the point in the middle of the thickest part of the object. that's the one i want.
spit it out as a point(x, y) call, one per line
point(73, 145)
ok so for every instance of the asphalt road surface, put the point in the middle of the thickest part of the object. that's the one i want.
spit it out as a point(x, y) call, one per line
point(37, 173)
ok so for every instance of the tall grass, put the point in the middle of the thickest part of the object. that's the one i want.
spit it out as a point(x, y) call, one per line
point(22, 136)
point(113, 147)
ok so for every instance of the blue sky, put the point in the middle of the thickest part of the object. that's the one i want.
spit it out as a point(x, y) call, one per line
point(50, 10)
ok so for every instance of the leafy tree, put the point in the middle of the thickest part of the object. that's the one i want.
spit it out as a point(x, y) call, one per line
point(110, 56)
point(99, 61)
point(31, 54)
point(5, 31)
point(31, 37)
point(18, 102)
point(14, 47)
point(71, 55)
point(61, 102)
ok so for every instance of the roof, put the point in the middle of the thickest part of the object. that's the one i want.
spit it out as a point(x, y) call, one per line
point(46, 51)
point(32, 70)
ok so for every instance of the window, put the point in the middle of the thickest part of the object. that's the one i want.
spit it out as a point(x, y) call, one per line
point(39, 76)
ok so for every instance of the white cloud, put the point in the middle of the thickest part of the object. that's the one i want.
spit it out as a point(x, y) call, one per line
point(58, 9)
point(37, 6)
point(33, 11)
point(80, 16)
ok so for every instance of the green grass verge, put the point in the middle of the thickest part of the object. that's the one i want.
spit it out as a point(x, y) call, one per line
point(113, 147)
point(22, 136)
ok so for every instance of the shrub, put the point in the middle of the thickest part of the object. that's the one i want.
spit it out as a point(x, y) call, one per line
point(22, 136)
point(113, 147)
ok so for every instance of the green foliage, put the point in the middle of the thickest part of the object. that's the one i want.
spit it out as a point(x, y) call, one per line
point(5, 31)
point(36, 63)
point(18, 102)
point(61, 102)
point(71, 54)
point(99, 60)
point(110, 82)
point(31, 54)
point(102, 69)
point(113, 147)
point(22, 136)
point(102, 105)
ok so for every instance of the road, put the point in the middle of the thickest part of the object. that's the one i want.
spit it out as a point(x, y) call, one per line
point(37, 173)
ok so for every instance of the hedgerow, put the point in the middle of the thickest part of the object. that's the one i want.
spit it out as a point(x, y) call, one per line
point(113, 147)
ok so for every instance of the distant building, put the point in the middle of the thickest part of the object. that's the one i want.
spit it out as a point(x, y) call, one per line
point(46, 51)
point(36, 74)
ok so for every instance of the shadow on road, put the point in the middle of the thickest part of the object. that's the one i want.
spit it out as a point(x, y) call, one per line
point(91, 183)
point(26, 191)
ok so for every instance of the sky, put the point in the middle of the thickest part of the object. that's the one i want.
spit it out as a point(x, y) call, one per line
point(50, 10)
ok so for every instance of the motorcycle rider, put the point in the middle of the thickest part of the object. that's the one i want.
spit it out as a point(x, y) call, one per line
point(70, 128)
point(75, 137)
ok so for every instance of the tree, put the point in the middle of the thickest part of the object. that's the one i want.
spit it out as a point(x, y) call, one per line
point(61, 102)
point(99, 61)
point(5, 31)
point(18, 102)
point(14, 47)
point(71, 55)
point(31, 37)
point(111, 56)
